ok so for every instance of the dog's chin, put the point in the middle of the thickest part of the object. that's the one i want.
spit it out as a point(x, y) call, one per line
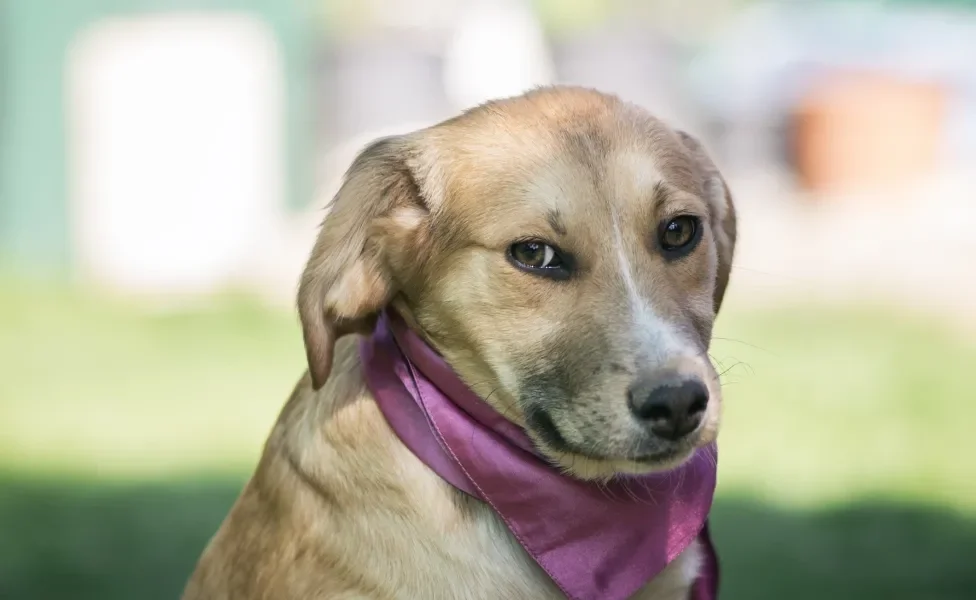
point(586, 466)
point(602, 459)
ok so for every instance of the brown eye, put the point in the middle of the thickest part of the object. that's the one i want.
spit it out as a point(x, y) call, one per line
point(679, 235)
point(538, 257)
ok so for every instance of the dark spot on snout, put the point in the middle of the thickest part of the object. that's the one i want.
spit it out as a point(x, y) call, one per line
point(560, 382)
point(538, 420)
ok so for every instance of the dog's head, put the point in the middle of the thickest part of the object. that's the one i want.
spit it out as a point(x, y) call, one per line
point(564, 251)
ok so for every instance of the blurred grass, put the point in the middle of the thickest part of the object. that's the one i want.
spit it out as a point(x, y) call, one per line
point(825, 404)
point(93, 386)
point(847, 466)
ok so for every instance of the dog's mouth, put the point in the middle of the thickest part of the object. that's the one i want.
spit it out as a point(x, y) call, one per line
point(548, 435)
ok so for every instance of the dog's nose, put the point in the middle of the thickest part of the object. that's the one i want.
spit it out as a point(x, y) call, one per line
point(671, 408)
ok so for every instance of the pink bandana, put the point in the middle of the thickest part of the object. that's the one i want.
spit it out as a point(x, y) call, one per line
point(596, 542)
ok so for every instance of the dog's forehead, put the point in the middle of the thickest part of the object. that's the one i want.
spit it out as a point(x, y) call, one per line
point(579, 161)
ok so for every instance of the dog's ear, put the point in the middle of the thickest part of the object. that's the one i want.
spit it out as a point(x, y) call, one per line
point(721, 209)
point(348, 278)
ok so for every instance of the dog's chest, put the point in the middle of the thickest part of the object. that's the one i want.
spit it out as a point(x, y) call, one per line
point(460, 549)
point(514, 571)
point(497, 565)
point(523, 578)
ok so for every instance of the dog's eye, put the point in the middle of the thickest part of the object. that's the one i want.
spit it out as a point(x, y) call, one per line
point(679, 235)
point(538, 257)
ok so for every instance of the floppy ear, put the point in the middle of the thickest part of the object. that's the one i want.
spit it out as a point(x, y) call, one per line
point(348, 279)
point(722, 212)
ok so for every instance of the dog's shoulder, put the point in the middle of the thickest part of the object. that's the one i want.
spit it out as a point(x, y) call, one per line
point(339, 507)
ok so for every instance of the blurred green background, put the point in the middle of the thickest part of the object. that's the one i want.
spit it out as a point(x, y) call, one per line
point(157, 166)
point(846, 454)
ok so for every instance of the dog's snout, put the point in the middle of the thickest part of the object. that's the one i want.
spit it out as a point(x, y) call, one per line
point(670, 407)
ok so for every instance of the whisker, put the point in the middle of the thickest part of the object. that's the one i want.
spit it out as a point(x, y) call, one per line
point(651, 500)
point(603, 490)
point(744, 343)
point(737, 364)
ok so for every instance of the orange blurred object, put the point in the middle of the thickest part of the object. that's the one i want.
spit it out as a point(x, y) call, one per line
point(856, 130)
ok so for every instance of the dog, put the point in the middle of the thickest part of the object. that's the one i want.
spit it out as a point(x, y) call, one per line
point(566, 254)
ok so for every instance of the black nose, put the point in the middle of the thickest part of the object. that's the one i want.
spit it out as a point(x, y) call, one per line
point(671, 408)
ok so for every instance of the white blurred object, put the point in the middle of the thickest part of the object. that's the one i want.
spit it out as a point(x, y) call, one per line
point(422, 15)
point(176, 141)
point(497, 49)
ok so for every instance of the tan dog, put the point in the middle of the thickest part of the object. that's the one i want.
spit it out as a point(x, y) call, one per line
point(566, 253)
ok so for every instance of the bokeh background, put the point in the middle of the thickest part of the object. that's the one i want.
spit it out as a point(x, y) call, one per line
point(163, 168)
